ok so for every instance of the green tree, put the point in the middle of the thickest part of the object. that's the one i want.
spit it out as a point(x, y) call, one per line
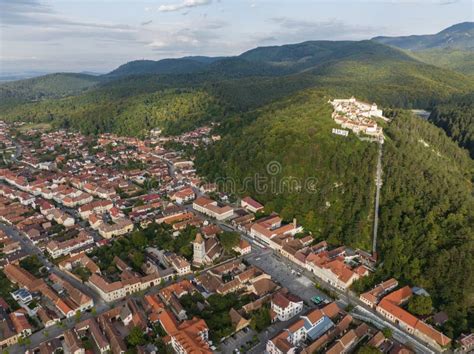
point(136, 337)
point(260, 319)
point(137, 259)
point(367, 349)
point(139, 239)
point(229, 240)
point(420, 305)
point(387, 332)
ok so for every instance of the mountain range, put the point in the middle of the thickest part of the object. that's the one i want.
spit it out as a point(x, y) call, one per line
point(459, 36)
point(452, 48)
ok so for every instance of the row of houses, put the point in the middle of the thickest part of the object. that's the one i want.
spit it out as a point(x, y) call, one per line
point(329, 265)
point(389, 304)
point(58, 249)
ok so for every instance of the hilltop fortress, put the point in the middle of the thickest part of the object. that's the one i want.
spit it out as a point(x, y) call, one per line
point(358, 116)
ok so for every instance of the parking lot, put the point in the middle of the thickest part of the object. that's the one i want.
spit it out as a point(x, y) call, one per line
point(287, 275)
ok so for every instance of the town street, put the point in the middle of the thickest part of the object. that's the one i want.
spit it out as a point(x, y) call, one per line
point(279, 268)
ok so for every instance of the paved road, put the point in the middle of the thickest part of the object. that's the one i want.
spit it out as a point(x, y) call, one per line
point(272, 331)
point(236, 341)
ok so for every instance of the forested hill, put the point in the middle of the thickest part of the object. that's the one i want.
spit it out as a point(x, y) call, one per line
point(427, 217)
point(295, 134)
point(48, 86)
point(269, 61)
point(456, 117)
point(427, 207)
point(452, 48)
point(165, 66)
point(307, 64)
point(459, 36)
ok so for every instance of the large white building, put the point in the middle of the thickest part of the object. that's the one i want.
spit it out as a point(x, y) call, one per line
point(286, 306)
point(118, 290)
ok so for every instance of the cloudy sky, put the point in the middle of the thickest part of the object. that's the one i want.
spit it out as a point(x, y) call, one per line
point(99, 35)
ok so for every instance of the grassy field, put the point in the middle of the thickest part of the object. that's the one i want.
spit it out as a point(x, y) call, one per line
point(35, 126)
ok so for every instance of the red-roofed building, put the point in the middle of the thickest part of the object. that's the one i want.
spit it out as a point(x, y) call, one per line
point(243, 247)
point(333, 271)
point(210, 207)
point(371, 298)
point(251, 205)
point(188, 337)
point(183, 195)
point(390, 309)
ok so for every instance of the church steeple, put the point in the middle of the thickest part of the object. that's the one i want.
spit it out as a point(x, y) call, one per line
point(199, 251)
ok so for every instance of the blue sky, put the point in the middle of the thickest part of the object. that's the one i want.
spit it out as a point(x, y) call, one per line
point(99, 35)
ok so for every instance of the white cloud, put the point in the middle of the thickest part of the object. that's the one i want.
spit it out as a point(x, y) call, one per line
point(185, 4)
point(290, 30)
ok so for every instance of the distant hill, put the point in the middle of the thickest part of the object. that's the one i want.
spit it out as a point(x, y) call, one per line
point(47, 86)
point(321, 58)
point(459, 36)
point(165, 66)
point(453, 59)
point(263, 61)
point(302, 56)
point(452, 48)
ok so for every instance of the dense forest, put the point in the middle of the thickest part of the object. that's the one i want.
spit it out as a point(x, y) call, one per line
point(174, 110)
point(427, 216)
point(458, 36)
point(456, 117)
point(452, 48)
point(164, 100)
point(453, 59)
